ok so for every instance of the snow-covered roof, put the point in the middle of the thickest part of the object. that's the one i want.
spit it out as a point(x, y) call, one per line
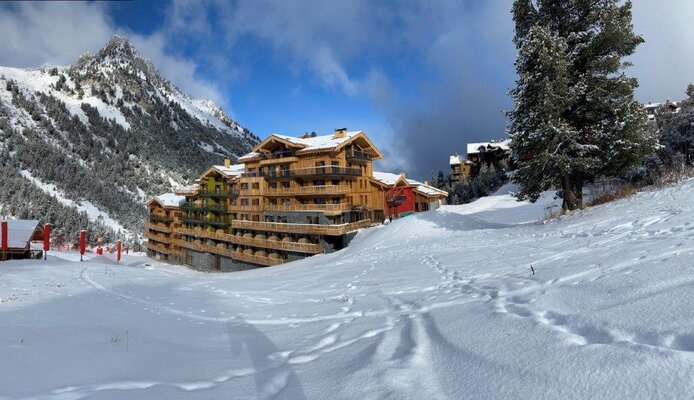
point(474, 148)
point(20, 232)
point(231, 171)
point(386, 178)
point(190, 189)
point(307, 144)
point(430, 190)
point(390, 179)
point(252, 154)
point(457, 159)
point(169, 200)
point(321, 142)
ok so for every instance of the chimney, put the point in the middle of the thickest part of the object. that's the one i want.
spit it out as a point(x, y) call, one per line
point(227, 163)
point(339, 133)
point(426, 183)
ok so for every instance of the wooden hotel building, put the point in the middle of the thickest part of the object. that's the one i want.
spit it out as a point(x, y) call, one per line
point(290, 198)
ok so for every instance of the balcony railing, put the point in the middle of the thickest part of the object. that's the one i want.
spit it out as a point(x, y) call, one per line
point(307, 190)
point(159, 218)
point(395, 200)
point(205, 222)
point(248, 207)
point(219, 194)
point(316, 229)
point(158, 238)
point(341, 207)
point(203, 207)
point(308, 172)
point(358, 156)
point(157, 227)
point(159, 248)
point(260, 260)
point(312, 248)
point(236, 255)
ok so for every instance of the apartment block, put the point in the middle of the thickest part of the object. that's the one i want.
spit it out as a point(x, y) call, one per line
point(290, 198)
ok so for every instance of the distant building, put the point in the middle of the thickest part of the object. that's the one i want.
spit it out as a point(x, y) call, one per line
point(24, 240)
point(494, 153)
point(404, 196)
point(654, 110)
point(164, 218)
point(460, 168)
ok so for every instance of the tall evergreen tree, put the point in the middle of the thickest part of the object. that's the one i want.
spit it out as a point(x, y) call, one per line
point(575, 117)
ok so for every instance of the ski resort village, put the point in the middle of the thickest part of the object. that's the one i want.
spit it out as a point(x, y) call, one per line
point(346, 200)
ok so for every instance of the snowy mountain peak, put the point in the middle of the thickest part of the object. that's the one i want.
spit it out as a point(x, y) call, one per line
point(116, 124)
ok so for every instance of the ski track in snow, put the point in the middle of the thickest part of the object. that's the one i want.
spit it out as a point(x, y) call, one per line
point(375, 315)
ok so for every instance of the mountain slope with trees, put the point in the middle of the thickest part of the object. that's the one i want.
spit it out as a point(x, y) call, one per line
point(101, 136)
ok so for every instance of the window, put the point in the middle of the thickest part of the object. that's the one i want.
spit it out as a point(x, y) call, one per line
point(255, 202)
point(273, 202)
point(286, 201)
point(256, 186)
point(244, 186)
point(285, 185)
point(244, 202)
point(282, 219)
point(336, 200)
point(319, 200)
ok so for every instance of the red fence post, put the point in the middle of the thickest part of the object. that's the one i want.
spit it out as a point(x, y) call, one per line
point(3, 244)
point(118, 249)
point(46, 239)
point(83, 244)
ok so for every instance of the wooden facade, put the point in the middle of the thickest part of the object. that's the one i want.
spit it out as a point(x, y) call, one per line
point(161, 227)
point(290, 198)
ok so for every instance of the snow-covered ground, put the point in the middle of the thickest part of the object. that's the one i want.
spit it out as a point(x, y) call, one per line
point(435, 305)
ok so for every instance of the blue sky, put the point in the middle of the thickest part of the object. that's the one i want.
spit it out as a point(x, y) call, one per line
point(421, 78)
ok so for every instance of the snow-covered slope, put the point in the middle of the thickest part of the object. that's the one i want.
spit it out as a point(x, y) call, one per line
point(438, 305)
point(109, 130)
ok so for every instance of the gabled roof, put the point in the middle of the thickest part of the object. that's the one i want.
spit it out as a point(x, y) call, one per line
point(168, 200)
point(187, 190)
point(315, 143)
point(474, 148)
point(20, 232)
point(456, 159)
point(232, 171)
point(389, 180)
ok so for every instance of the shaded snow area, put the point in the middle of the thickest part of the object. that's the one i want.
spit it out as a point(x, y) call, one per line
point(438, 305)
point(93, 212)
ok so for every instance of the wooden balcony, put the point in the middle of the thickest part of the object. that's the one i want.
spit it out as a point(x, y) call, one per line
point(157, 227)
point(311, 248)
point(219, 195)
point(217, 208)
point(158, 238)
point(307, 190)
point(355, 156)
point(234, 255)
point(159, 248)
point(247, 208)
point(327, 171)
point(260, 260)
point(278, 157)
point(314, 229)
point(159, 218)
point(201, 221)
point(327, 208)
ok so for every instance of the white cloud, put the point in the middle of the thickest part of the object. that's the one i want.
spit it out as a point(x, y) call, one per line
point(38, 33)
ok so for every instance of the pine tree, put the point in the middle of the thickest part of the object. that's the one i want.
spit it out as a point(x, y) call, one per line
point(584, 122)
